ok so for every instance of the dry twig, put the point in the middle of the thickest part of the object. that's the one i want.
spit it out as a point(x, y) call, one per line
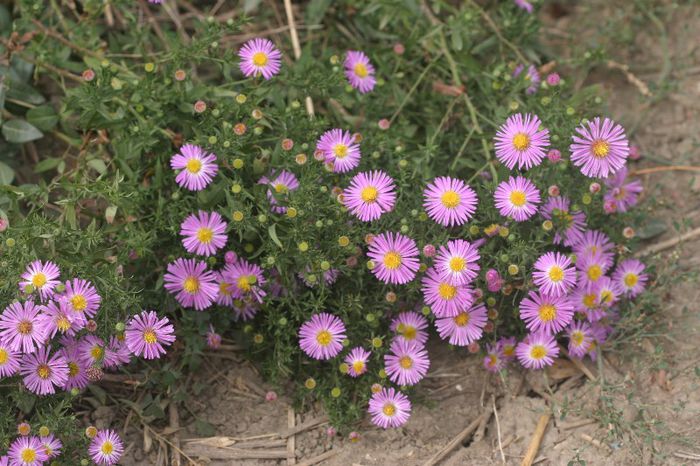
point(297, 48)
point(498, 429)
point(458, 439)
point(291, 418)
point(534, 446)
point(668, 244)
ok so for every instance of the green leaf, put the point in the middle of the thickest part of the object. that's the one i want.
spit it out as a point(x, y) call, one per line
point(98, 165)
point(99, 393)
point(20, 131)
point(316, 10)
point(46, 165)
point(272, 230)
point(43, 117)
point(653, 228)
point(7, 174)
point(24, 92)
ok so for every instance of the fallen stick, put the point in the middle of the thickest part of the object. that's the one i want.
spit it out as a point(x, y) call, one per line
point(631, 78)
point(310, 424)
point(230, 453)
point(291, 448)
point(498, 429)
point(579, 365)
point(175, 459)
point(317, 459)
point(534, 446)
point(662, 246)
point(596, 443)
point(669, 168)
point(577, 424)
point(458, 440)
point(686, 456)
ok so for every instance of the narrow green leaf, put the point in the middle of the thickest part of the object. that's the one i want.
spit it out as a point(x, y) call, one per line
point(19, 131)
point(272, 230)
point(98, 165)
point(46, 165)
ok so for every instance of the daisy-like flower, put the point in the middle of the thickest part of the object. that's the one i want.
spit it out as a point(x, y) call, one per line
point(52, 445)
point(246, 280)
point(82, 298)
point(213, 338)
point(117, 353)
point(517, 198)
point(630, 278)
point(592, 267)
point(545, 313)
point(225, 296)
point(197, 167)
point(593, 241)
point(21, 327)
point(42, 373)
point(520, 141)
point(339, 148)
point(9, 361)
point(621, 194)
point(465, 327)
point(279, 187)
point(537, 350)
point(91, 350)
point(244, 310)
point(586, 301)
point(569, 224)
point(608, 292)
point(27, 451)
point(147, 335)
point(359, 71)
point(532, 75)
point(410, 327)
point(106, 448)
point(580, 339)
point(407, 363)
point(389, 408)
point(77, 369)
point(494, 360)
point(395, 258)
point(599, 335)
point(457, 262)
point(191, 283)
point(322, 336)
point(524, 4)
point(57, 317)
point(370, 195)
point(507, 347)
point(600, 148)
point(444, 298)
point(41, 277)
point(449, 201)
point(554, 274)
point(260, 57)
point(357, 361)
point(203, 233)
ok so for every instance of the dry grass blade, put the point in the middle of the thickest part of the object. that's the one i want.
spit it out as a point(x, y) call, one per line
point(534, 446)
point(458, 439)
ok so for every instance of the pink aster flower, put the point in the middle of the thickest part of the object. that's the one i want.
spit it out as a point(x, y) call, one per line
point(21, 327)
point(507, 347)
point(599, 335)
point(410, 327)
point(27, 451)
point(225, 295)
point(9, 361)
point(620, 193)
point(524, 4)
point(580, 339)
point(592, 267)
point(494, 360)
point(554, 274)
point(203, 233)
point(449, 201)
point(91, 350)
point(357, 361)
point(213, 338)
point(147, 335)
point(532, 76)
point(339, 148)
point(608, 292)
point(517, 198)
point(593, 241)
point(77, 368)
point(52, 445)
point(520, 141)
point(537, 350)
point(600, 148)
point(395, 258)
point(57, 317)
point(41, 277)
point(244, 310)
point(630, 278)
point(117, 353)
point(246, 280)
point(545, 313)
point(106, 448)
point(322, 336)
point(370, 195)
point(280, 185)
point(197, 167)
point(359, 71)
point(42, 373)
point(586, 301)
point(259, 57)
point(457, 262)
point(191, 283)
point(82, 298)
point(465, 327)
point(569, 224)
point(406, 363)
point(389, 408)
point(444, 298)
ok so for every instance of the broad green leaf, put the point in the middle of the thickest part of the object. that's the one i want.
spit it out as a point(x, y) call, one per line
point(46, 165)
point(19, 131)
point(7, 174)
point(24, 92)
point(98, 165)
point(272, 230)
point(653, 228)
point(43, 117)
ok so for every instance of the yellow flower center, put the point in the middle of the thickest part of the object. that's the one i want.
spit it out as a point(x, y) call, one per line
point(461, 319)
point(224, 289)
point(406, 362)
point(457, 264)
point(63, 324)
point(4, 356)
point(244, 283)
point(601, 149)
point(450, 199)
point(606, 296)
point(96, 352)
point(324, 338)
point(547, 312)
point(260, 59)
point(409, 332)
point(205, 235)
point(589, 300)
point(340, 151)
point(43, 371)
point(193, 166)
point(360, 70)
point(78, 302)
point(191, 285)
point(556, 274)
point(107, 448)
point(577, 337)
point(631, 279)
point(358, 366)
point(538, 352)
point(149, 336)
point(594, 272)
point(389, 409)
point(493, 359)
point(73, 369)
point(369, 194)
point(25, 327)
point(521, 141)
point(39, 280)
point(280, 188)
point(392, 260)
point(447, 291)
point(517, 198)
point(508, 350)
point(28, 455)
